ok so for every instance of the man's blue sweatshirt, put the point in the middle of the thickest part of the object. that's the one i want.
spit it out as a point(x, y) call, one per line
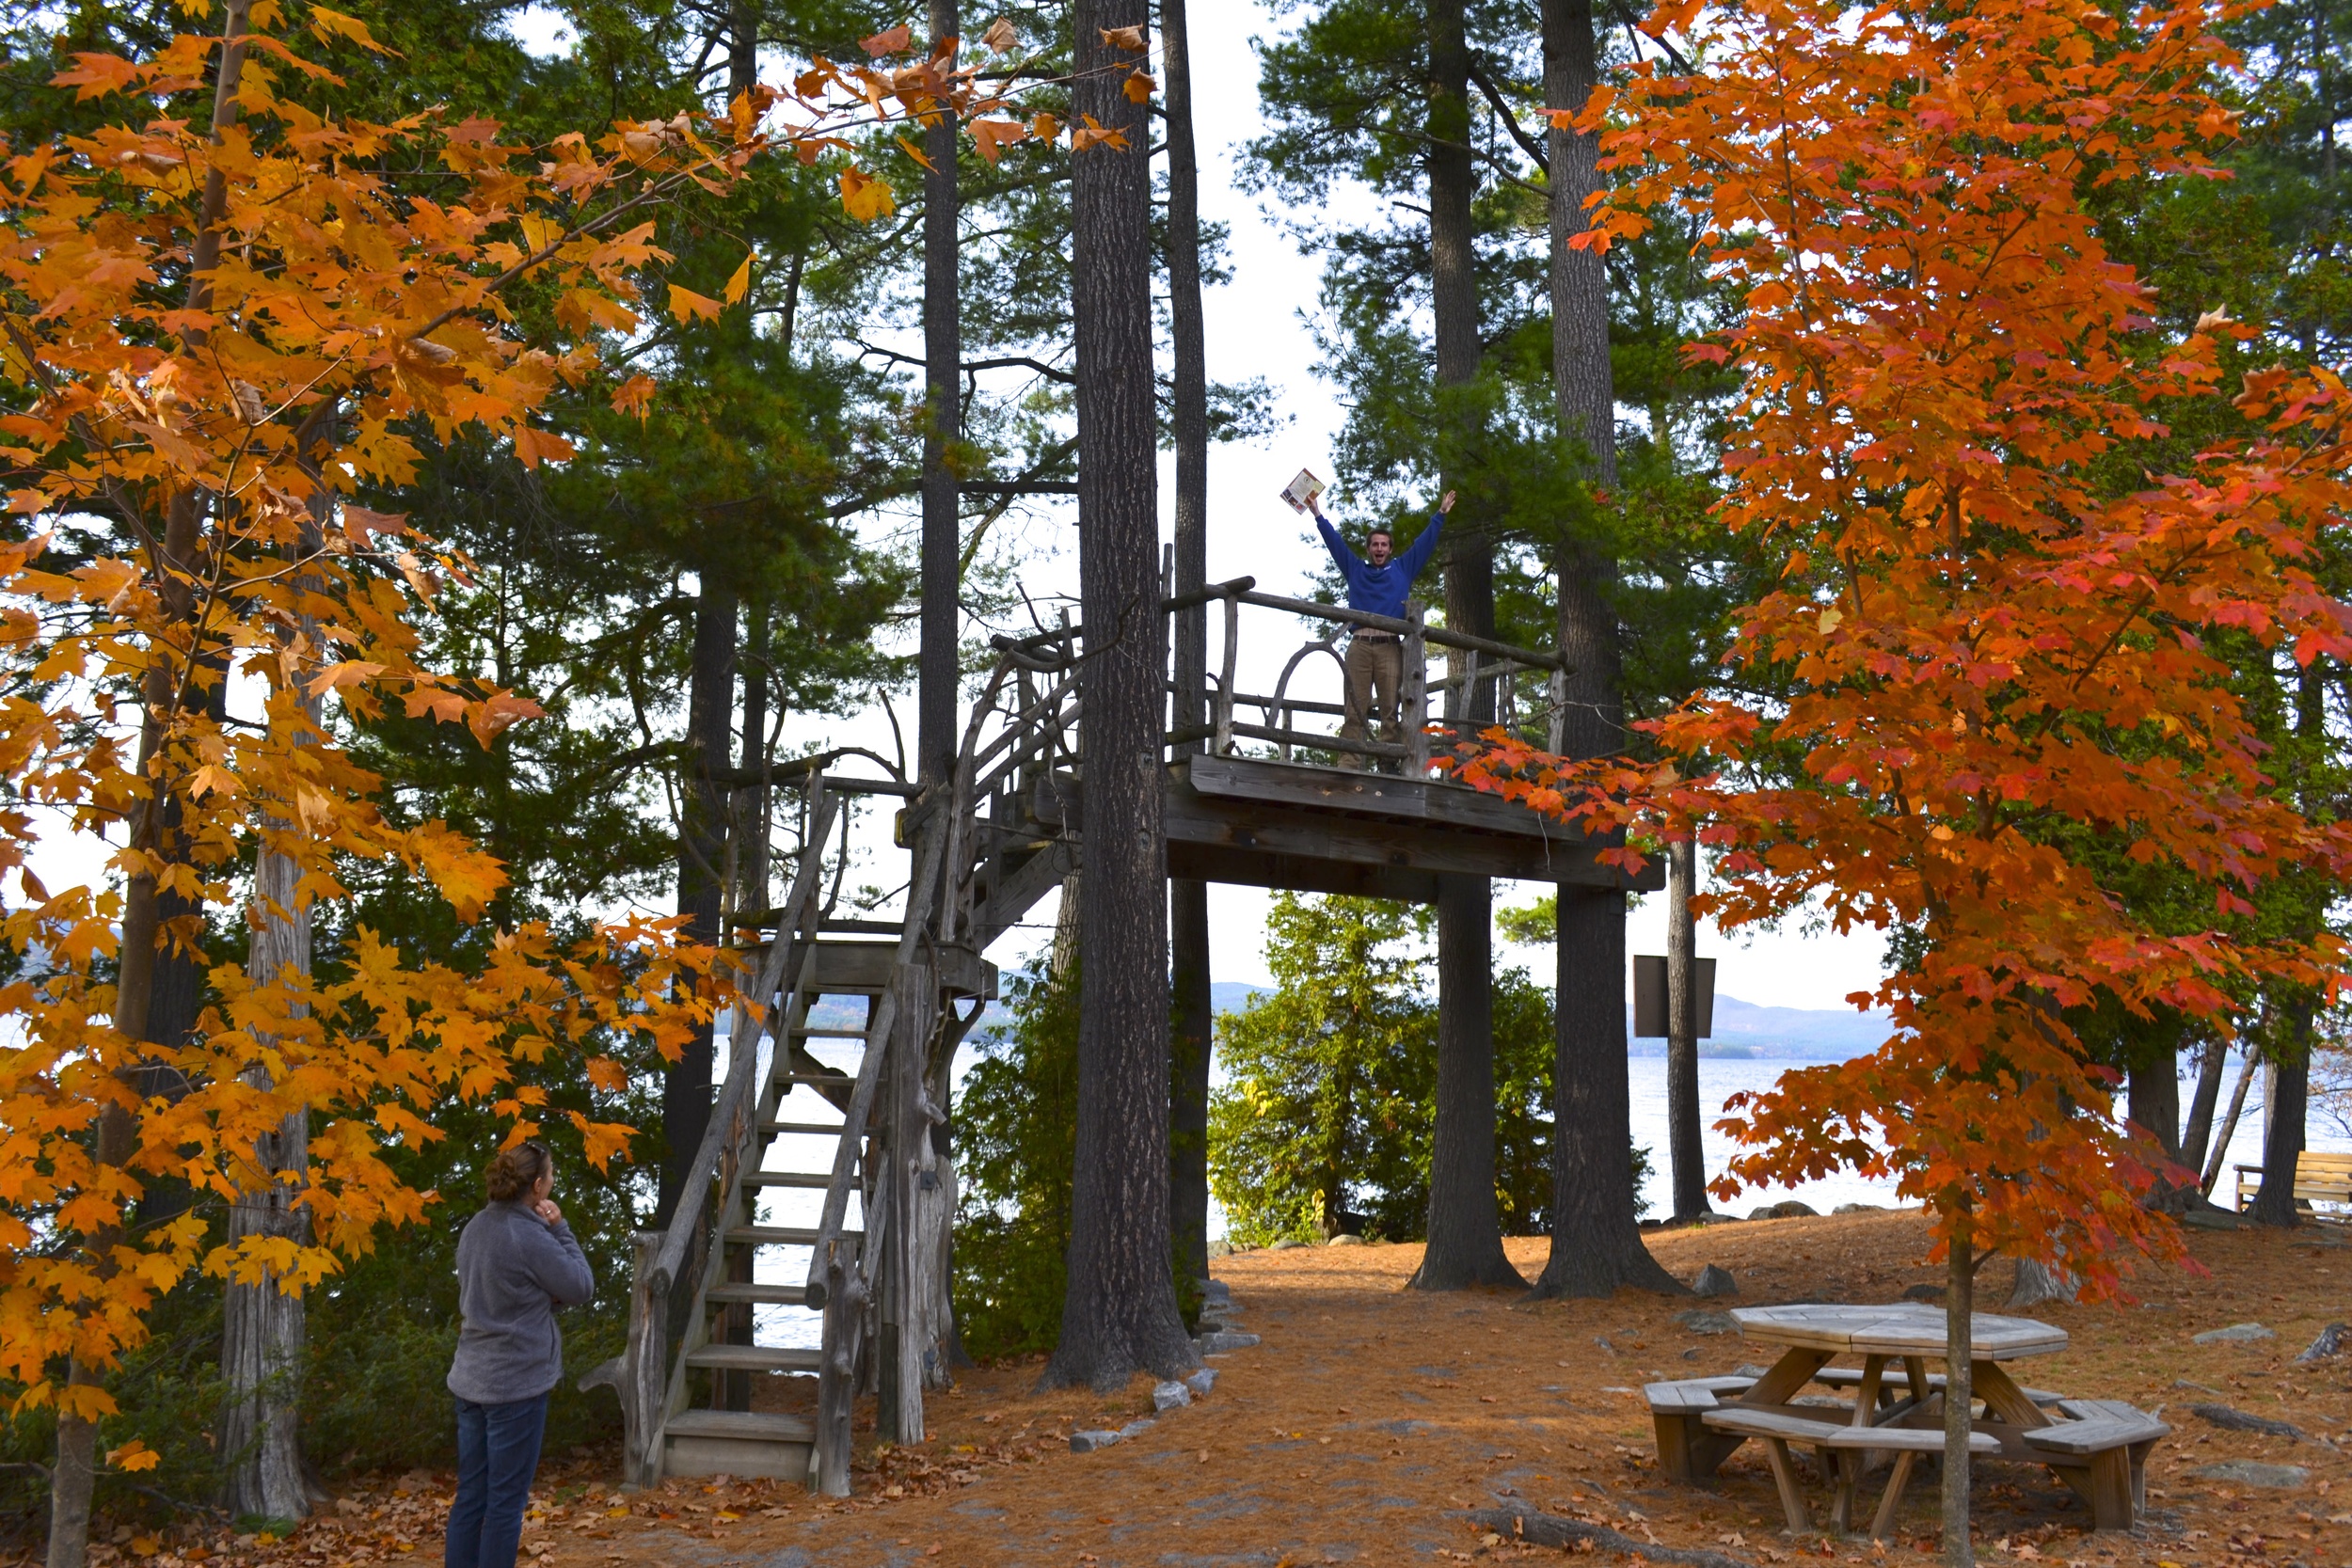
point(1381, 590)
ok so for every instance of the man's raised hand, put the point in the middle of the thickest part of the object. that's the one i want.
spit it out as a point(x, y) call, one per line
point(1446, 505)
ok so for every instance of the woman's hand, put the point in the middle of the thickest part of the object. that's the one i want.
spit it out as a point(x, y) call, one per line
point(1446, 505)
point(547, 1211)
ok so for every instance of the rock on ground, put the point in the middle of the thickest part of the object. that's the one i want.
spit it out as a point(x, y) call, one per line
point(2239, 1420)
point(1714, 1281)
point(2330, 1342)
point(2237, 1334)
point(2249, 1472)
point(1699, 1319)
point(1170, 1395)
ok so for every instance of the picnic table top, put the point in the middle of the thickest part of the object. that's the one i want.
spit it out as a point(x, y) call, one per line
point(1899, 1328)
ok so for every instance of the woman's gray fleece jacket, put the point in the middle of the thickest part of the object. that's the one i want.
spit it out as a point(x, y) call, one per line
point(514, 1269)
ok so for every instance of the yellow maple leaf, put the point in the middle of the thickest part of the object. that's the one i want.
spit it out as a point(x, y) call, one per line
point(864, 197)
point(686, 305)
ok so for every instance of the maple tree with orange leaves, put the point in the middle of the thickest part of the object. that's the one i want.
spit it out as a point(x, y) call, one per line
point(211, 332)
point(1990, 660)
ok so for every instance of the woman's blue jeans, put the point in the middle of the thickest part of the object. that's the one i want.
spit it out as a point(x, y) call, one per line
point(498, 1452)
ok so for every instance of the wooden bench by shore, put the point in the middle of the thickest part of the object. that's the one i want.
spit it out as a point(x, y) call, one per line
point(2318, 1178)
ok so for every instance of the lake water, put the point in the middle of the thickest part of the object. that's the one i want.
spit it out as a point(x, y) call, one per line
point(1720, 1079)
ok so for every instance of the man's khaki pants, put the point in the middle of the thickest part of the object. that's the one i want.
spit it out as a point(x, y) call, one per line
point(1376, 672)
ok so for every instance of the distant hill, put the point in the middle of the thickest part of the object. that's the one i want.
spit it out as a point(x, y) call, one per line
point(1780, 1033)
point(1741, 1028)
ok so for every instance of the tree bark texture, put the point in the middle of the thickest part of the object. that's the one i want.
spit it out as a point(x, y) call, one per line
point(935, 729)
point(1465, 1230)
point(263, 1326)
point(1595, 1241)
point(2037, 1282)
point(1190, 1045)
point(750, 823)
point(1119, 1313)
point(1960, 1305)
point(2227, 1130)
point(2198, 1135)
point(908, 1344)
point(73, 1477)
point(2152, 1098)
point(701, 865)
point(2284, 1105)
point(1188, 900)
point(1682, 1031)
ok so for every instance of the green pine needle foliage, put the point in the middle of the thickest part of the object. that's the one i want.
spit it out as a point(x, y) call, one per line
point(1016, 1146)
point(1330, 1082)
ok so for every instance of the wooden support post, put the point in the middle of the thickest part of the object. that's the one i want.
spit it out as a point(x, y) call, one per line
point(1223, 744)
point(1882, 1522)
point(908, 1286)
point(1416, 692)
point(836, 1375)
point(640, 1375)
point(1785, 1480)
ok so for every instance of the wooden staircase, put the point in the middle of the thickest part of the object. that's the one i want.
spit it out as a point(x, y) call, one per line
point(848, 1117)
point(835, 1116)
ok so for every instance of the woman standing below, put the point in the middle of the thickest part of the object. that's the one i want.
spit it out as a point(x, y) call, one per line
point(516, 1263)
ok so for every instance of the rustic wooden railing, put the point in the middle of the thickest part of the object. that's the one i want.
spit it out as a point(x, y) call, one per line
point(1483, 682)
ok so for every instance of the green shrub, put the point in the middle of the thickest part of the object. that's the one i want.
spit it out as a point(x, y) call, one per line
point(1016, 1141)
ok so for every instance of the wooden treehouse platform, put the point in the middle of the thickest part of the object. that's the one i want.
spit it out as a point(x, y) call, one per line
point(838, 1087)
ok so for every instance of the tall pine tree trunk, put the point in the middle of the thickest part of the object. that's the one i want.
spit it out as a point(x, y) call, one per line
point(701, 863)
point(2153, 1097)
point(142, 969)
point(1682, 1031)
point(935, 727)
point(1194, 1017)
point(1465, 1228)
point(2284, 1104)
point(2288, 1084)
point(1119, 1313)
point(1596, 1241)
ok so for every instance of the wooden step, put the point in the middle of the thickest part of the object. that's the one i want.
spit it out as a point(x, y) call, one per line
point(818, 1180)
point(825, 1032)
point(843, 1079)
point(737, 1442)
point(817, 1129)
point(754, 1425)
point(778, 1235)
point(756, 1358)
point(766, 1296)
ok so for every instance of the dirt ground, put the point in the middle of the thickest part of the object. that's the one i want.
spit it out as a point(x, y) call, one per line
point(1371, 1417)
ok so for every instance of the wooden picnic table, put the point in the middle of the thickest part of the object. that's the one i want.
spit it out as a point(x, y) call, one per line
point(2096, 1447)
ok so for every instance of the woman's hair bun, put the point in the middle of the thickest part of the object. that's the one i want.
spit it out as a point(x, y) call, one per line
point(517, 1170)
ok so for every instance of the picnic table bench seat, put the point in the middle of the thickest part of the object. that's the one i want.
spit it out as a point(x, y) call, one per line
point(1693, 1393)
point(2102, 1452)
point(1843, 1449)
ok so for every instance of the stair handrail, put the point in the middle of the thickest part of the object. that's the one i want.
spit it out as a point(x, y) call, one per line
point(647, 1377)
point(743, 1048)
point(929, 844)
